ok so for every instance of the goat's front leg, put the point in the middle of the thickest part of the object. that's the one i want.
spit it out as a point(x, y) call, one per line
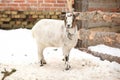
point(66, 52)
point(67, 65)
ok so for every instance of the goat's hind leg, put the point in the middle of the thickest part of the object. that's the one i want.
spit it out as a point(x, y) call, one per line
point(40, 56)
point(42, 62)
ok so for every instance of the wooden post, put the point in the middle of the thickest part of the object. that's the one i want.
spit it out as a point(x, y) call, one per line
point(69, 5)
point(78, 8)
point(78, 5)
point(81, 6)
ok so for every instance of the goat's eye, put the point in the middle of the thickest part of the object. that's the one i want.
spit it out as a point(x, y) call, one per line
point(69, 15)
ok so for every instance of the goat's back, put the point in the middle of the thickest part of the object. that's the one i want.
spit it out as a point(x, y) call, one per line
point(49, 31)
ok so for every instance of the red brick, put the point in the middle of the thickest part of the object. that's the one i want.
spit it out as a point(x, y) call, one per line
point(59, 5)
point(64, 1)
point(34, 4)
point(22, 8)
point(32, 1)
point(4, 1)
point(40, 9)
point(19, 0)
point(47, 8)
point(40, 1)
point(14, 8)
point(1, 8)
point(13, 4)
point(50, 1)
point(24, 4)
point(57, 9)
point(46, 5)
point(61, 1)
point(3, 4)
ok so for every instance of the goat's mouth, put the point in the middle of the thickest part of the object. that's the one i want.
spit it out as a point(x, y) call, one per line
point(69, 26)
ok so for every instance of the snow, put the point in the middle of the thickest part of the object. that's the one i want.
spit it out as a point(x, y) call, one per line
point(18, 50)
point(17, 46)
point(106, 50)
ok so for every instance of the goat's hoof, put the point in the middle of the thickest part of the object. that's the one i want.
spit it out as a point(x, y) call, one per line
point(68, 67)
point(42, 62)
point(41, 65)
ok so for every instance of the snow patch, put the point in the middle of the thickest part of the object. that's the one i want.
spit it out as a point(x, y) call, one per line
point(106, 50)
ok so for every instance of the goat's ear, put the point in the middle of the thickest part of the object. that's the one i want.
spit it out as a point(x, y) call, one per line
point(76, 14)
point(62, 16)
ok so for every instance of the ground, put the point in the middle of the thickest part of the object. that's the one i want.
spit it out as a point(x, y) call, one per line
point(18, 51)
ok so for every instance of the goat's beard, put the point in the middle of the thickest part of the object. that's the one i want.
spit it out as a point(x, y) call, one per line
point(71, 30)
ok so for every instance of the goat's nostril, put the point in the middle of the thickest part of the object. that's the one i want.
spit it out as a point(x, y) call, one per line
point(68, 26)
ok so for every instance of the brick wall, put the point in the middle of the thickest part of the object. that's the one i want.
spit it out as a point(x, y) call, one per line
point(25, 13)
point(54, 5)
point(57, 5)
point(24, 19)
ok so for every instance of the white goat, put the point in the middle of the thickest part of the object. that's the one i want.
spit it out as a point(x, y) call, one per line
point(56, 33)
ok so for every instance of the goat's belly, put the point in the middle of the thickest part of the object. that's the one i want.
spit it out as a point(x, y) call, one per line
point(51, 43)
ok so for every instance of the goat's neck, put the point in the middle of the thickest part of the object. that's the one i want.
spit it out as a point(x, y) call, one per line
point(71, 32)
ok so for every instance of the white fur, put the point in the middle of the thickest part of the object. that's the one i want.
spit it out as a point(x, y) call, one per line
point(69, 19)
point(52, 33)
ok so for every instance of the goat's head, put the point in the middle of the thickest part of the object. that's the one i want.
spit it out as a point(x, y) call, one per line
point(70, 19)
